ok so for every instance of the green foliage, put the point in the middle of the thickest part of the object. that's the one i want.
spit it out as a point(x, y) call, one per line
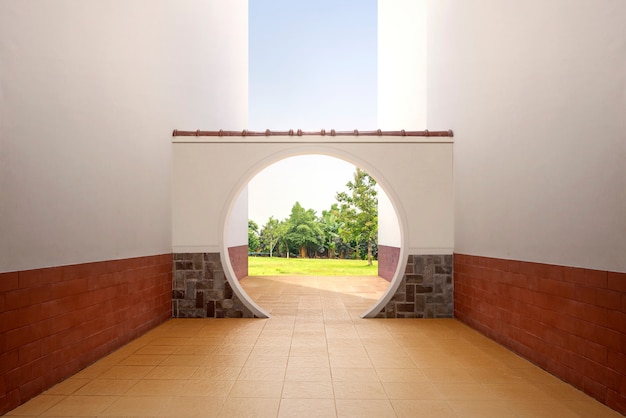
point(359, 211)
point(253, 236)
point(270, 235)
point(330, 228)
point(349, 225)
point(304, 231)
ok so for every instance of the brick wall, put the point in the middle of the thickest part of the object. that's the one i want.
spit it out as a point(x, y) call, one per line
point(569, 321)
point(239, 260)
point(388, 258)
point(56, 321)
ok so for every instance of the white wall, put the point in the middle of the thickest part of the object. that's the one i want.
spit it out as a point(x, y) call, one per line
point(89, 95)
point(402, 65)
point(401, 85)
point(208, 176)
point(237, 229)
point(389, 233)
point(535, 92)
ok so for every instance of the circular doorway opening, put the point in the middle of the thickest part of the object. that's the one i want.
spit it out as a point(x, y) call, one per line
point(312, 195)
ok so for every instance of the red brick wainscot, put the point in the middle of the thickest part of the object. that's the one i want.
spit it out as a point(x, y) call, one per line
point(239, 260)
point(56, 321)
point(570, 321)
point(388, 258)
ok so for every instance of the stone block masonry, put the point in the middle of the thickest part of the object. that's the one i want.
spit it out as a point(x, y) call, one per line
point(200, 288)
point(426, 290)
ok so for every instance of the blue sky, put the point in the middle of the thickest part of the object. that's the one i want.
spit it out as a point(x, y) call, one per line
point(312, 65)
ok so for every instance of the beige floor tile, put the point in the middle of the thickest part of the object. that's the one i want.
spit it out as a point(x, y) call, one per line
point(353, 374)
point(537, 376)
point(465, 391)
point(391, 360)
point(308, 390)
point(93, 371)
point(232, 350)
point(157, 349)
point(482, 409)
point(401, 375)
point(249, 408)
point(206, 387)
point(309, 342)
point(192, 406)
point(273, 341)
point(217, 373)
point(449, 375)
point(80, 406)
point(224, 360)
point(544, 409)
point(518, 392)
point(347, 350)
point(195, 349)
point(36, 406)
point(308, 374)
point(137, 406)
point(591, 408)
point(256, 389)
point(67, 387)
point(126, 372)
point(262, 373)
point(171, 372)
point(266, 361)
point(439, 360)
point(268, 350)
point(423, 408)
point(356, 361)
point(359, 390)
point(171, 341)
point(185, 360)
point(308, 351)
point(106, 387)
point(143, 360)
point(307, 408)
point(156, 387)
point(413, 390)
point(366, 408)
point(495, 375)
point(309, 361)
point(562, 391)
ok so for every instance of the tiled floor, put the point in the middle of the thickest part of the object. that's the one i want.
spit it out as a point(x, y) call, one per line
point(313, 358)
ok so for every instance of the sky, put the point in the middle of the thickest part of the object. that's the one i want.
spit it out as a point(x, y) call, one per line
point(312, 66)
point(312, 180)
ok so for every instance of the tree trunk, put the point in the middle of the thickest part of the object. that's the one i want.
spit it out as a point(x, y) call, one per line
point(369, 253)
point(303, 252)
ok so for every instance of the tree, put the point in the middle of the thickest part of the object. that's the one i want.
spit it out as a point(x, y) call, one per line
point(330, 227)
point(270, 234)
point(359, 211)
point(304, 231)
point(253, 236)
point(283, 241)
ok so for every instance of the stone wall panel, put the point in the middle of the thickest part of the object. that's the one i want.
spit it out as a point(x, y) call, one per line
point(200, 288)
point(426, 291)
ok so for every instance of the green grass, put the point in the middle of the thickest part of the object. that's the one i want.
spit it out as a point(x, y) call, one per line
point(275, 266)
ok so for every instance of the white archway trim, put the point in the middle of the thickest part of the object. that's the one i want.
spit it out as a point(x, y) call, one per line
point(308, 149)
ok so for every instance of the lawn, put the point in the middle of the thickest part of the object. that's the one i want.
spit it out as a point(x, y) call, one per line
point(275, 266)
